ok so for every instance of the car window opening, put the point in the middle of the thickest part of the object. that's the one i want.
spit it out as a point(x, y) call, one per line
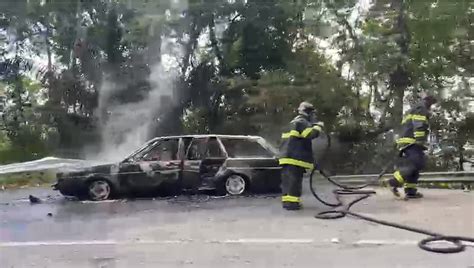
point(203, 148)
point(166, 150)
point(243, 148)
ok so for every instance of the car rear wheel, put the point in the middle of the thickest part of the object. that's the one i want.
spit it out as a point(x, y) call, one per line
point(99, 190)
point(235, 185)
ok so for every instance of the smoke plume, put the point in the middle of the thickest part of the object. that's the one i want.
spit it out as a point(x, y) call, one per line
point(126, 126)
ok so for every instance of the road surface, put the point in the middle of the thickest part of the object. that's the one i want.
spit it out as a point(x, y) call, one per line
point(226, 232)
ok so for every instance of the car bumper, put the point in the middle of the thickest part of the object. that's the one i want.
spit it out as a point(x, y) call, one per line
point(69, 186)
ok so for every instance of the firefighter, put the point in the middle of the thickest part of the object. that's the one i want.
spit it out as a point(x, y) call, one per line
point(297, 154)
point(411, 146)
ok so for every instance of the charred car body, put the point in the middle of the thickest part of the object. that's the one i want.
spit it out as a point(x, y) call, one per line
point(169, 165)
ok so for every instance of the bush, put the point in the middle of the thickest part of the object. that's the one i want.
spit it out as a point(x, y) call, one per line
point(26, 145)
point(28, 178)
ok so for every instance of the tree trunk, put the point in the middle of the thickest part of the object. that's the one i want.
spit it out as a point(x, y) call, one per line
point(385, 111)
point(189, 49)
point(357, 110)
point(400, 78)
point(49, 72)
point(215, 46)
point(398, 86)
point(372, 92)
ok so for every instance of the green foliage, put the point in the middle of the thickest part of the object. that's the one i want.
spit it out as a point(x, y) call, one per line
point(244, 68)
point(45, 177)
point(273, 100)
point(26, 145)
point(195, 122)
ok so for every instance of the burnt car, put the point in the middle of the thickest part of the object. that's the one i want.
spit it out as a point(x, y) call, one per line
point(223, 164)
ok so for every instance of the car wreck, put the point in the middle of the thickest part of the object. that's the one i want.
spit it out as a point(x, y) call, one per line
point(224, 164)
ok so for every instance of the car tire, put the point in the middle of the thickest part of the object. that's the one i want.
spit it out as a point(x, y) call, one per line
point(99, 190)
point(233, 185)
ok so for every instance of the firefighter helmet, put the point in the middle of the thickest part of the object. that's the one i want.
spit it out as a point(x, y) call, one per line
point(305, 108)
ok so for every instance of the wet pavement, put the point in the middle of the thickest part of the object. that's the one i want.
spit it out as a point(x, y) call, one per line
point(225, 232)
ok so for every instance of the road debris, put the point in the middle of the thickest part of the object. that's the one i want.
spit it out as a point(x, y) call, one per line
point(34, 199)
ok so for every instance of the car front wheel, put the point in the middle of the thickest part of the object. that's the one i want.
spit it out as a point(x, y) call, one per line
point(99, 190)
point(235, 185)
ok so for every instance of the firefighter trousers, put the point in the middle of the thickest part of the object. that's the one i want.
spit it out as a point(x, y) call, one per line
point(407, 171)
point(291, 185)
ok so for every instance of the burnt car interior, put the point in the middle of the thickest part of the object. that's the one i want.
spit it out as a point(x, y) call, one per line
point(164, 150)
point(210, 154)
point(161, 150)
point(204, 148)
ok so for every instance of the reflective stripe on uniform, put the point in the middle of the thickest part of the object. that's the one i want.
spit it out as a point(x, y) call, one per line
point(309, 130)
point(409, 185)
point(304, 134)
point(318, 128)
point(406, 140)
point(406, 118)
point(290, 198)
point(292, 133)
point(417, 117)
point(398, 176)
point(294, 162)
point(419, 134)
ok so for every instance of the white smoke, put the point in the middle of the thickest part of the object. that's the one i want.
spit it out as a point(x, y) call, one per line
point(125, 127)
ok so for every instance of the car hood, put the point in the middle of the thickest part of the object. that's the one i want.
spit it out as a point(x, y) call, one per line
point(87, 170)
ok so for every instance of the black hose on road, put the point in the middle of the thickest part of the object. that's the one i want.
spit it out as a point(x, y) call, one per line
point(344, 210)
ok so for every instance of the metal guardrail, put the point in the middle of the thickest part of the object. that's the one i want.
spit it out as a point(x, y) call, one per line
point(426, 177)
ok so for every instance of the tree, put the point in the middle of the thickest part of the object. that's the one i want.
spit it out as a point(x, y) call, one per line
point(242, 67)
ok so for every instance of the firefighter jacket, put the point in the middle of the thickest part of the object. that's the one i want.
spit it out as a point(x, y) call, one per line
point(414, 127)
point(296, 147)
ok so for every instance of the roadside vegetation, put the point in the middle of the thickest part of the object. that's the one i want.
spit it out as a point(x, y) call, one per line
point(26, 179)
point(242, 67)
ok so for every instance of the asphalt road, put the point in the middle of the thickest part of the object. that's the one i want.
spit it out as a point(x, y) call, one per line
point(225, 232)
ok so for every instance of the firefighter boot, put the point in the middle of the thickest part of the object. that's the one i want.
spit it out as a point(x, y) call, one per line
point(393, 184)
point(291, 205)
point(412, 193)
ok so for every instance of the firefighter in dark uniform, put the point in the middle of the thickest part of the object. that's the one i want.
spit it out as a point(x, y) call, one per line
point(411, 145)
point(297, 154)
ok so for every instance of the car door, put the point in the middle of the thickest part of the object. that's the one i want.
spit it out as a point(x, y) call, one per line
point(203, 158)
point(152, 167)
point(192, 162)
point(256, 160)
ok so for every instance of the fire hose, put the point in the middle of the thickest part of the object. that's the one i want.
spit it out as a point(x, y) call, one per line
point(342, 209)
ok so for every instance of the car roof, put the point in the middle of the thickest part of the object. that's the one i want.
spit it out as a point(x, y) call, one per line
point(259, 139)
point(207, 136)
